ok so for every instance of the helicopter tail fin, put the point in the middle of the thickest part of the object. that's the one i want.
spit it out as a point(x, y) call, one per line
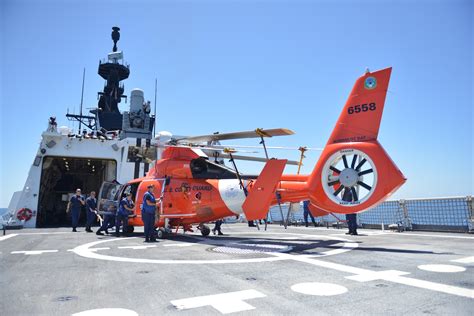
point(354, 172)
point(258, 200)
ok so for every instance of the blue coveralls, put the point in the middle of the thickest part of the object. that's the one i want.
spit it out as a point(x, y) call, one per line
point(109, 220)
point(148, 215)
point(352, 223)
point(122, 216)
point(351, 218)
point(75, 210)
point(307, 212)
point(91, 204)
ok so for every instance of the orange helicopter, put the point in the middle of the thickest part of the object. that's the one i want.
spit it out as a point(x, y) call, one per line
point(353, 173)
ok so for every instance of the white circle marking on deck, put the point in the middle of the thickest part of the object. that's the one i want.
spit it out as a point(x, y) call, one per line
point(444, 268)
point(86, 251)
point(319, 289)
point(107, 312)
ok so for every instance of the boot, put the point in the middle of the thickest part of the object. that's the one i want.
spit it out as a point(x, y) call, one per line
point(99, 233)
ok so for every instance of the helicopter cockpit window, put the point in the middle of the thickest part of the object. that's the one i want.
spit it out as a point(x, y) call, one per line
point(130, 188)
point(198, 166)
point(202, 168)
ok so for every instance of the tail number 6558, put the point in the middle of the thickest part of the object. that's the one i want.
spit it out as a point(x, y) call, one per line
point(361, 108)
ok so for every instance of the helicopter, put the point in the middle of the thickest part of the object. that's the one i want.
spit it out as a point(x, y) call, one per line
point(195, 189)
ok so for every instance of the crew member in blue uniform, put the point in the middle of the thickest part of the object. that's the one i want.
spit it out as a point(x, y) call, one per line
point(125, 208)
point(217, 227)
point(306, 213)
point(351, 218)
point(76, 202)
point(109, 220)
point(148, 214)
point(91, 206)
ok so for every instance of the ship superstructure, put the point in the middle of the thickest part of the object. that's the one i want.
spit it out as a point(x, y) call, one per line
point(106, 147)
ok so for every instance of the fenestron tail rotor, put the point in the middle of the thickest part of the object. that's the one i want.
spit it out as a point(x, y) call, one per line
point(349, 184)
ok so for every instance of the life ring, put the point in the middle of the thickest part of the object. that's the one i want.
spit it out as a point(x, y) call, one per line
point(24, 214)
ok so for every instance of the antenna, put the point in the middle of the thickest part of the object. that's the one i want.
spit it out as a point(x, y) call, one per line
point(82, 96)
point(154, 123)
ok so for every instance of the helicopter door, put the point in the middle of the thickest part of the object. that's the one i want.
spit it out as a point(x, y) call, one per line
point(109, 196)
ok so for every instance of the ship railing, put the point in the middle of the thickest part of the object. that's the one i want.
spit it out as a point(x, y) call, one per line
point(444, 214)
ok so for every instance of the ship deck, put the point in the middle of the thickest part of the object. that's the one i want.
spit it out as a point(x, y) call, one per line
point(297, 271)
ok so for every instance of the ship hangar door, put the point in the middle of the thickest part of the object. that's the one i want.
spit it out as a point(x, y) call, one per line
point(60, 177)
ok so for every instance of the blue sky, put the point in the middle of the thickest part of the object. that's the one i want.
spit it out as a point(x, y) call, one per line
point(238, 65)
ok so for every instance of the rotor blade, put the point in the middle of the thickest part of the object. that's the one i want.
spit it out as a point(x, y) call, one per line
point(354, 194)
point(333, 182)
point(270, 147)
point(354, 159)
point(345, 161)
point(249, 158)
point(335, 169)
point(361, 163)
point(237, 135)
point(209, 148)
point(368, 187)
point(338, 190)
point(365, 172)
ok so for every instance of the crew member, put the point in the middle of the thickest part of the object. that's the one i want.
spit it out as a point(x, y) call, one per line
point(125, 208)
point(75, 204)
point(148, 214)
point(351, 218)
point(217, 227)
point(91, 206)
point(307, 212)
point(109, 220)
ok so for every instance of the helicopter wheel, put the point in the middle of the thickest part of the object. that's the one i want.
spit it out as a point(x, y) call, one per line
point(205, 230)
point(160, 233)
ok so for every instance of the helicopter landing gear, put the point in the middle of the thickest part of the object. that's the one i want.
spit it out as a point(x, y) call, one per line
point(205, 230)
point(160, 233)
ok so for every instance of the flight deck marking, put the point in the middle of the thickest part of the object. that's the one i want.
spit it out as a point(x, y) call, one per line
point(225, 303)
point(51, 233)
point(319, 289)
point(107, 311)
point(8, 236)
point(95, 249)
point(443, 268)
point(380, 233)
point(178, 245)
point(84, 251)
point(137, 247)
point(464, 260)
point(391, 275)
point(33, 252)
